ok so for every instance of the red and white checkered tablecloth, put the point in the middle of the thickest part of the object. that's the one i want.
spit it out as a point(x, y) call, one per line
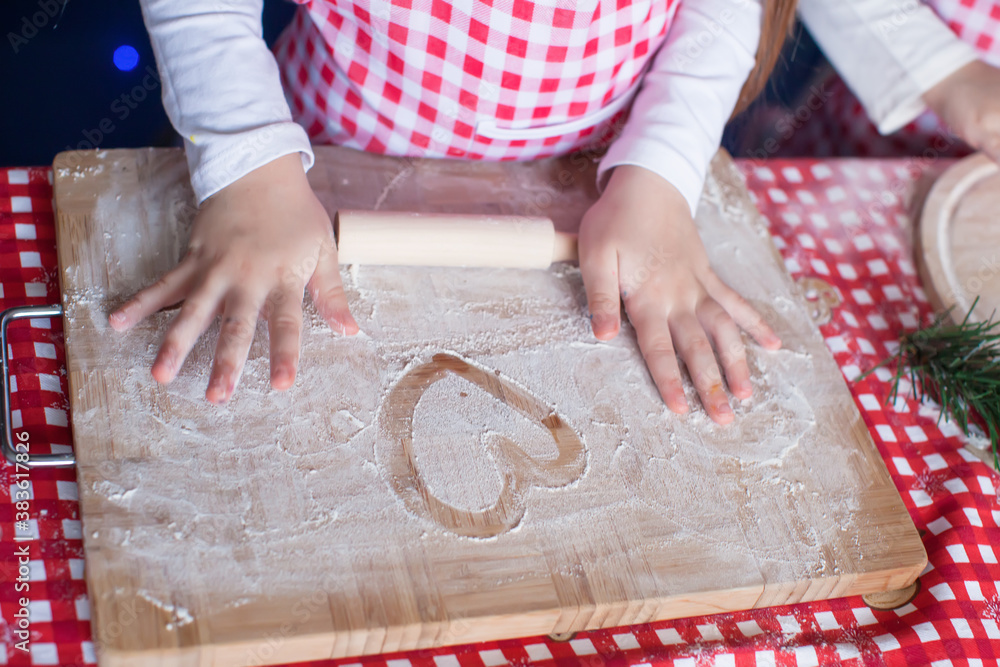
point(842, 221)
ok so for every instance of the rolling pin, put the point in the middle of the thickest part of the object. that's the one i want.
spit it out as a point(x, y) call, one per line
point(448, 239)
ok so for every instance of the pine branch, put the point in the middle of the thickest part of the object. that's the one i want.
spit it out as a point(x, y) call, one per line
point(956, 365)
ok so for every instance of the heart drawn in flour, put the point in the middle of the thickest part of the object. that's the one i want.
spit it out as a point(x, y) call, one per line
point(519, 470)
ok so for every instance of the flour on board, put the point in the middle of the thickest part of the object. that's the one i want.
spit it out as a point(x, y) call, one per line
point(278, 492)
point(453, 427)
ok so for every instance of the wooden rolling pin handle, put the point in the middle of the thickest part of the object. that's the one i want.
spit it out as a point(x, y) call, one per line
point(564, 248)
point(446, 239)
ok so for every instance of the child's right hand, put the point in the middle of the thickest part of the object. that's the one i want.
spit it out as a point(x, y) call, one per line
point(968, 101)
point(256, 245)
point(640, 241)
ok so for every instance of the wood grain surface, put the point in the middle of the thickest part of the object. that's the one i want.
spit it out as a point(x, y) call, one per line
point(958, 249)
point(473, 466)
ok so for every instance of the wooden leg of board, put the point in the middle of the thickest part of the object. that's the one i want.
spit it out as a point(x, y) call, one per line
point(889, 600)
point(562, 636)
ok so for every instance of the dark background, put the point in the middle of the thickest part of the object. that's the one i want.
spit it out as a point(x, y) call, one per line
point(59, 87)
point(61, 83)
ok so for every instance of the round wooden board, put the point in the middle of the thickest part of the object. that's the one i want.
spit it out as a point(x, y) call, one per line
point(958, 251)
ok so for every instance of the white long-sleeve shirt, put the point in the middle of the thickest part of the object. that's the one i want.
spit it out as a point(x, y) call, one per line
point(889, 52)
point(222, 91)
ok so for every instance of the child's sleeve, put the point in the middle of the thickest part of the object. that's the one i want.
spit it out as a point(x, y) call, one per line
point(221, 89)
point(690, 91)
point(889, 53)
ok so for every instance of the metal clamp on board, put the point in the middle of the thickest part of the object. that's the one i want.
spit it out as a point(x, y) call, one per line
point(37, 460)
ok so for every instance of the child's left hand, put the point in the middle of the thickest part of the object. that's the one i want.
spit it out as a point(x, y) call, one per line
point(639, 240)
point(968, 101)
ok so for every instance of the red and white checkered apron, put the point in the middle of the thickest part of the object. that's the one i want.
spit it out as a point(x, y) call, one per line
point(976, 22)
point(478, 79)
point(842, 127)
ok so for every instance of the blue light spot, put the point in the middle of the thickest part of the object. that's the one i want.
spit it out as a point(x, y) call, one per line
point(126, 58)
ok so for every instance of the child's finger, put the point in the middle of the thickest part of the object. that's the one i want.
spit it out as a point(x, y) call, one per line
point(195, 315)
point(284, 324)
point(653, 332)
point(746, 316)
point(172, 287)
point(239, 323)
point(600, 279)
point(698, 355)
point(728, 346)
point(327, 292)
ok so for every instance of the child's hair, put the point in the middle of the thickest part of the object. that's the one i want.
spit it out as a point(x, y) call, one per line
point(779, 15)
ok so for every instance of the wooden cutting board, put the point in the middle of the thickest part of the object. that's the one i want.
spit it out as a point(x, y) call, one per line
point(474, 466)
point(959, 240)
